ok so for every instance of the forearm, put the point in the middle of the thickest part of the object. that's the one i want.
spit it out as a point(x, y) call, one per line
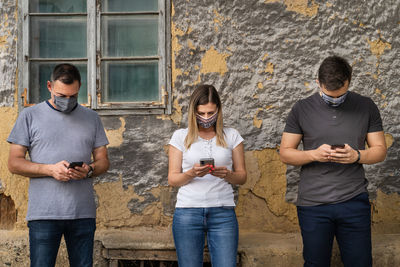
point(372, 155)
point(236, 177)
point(295, 157)
point(100, 166)
point(27, 168)
point(179, 179)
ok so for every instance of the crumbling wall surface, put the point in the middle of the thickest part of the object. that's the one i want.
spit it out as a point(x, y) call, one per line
point(263, 56)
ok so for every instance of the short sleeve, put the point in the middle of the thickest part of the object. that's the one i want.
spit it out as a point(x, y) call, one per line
point(20, 134)
point(233, 137)
point(375, 121)
point(292, 122)
point(101, 137)
point(178, 139)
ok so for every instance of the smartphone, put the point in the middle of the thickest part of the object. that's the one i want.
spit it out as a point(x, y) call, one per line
point(75, 164)
point(207, 161)
point(337, 146)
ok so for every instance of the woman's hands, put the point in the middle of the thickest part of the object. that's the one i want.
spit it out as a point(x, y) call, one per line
point(200, 171)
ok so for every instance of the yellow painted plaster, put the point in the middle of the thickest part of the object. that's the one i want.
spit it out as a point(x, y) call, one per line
point(389, 140)
point(191, 45)
point(269, 107)
point(307, 85)
point(113, 208)
point(386, 213)
point(15, 186)
point(261, 204)
point(302, 7)
point(256, 122)
point(378, 47)
point(269, 68)
point(213, 61)
point(115, 137)
point(217, 20)
point(176, 116)
point(3, 42)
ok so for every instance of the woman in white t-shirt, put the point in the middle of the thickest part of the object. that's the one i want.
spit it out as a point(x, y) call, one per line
point(205, 204)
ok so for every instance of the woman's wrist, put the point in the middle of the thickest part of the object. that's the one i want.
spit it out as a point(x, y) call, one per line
point(228, 175)
point(191, 173)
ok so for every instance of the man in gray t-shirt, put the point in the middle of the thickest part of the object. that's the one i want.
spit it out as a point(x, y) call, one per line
point(61, 138)
point(334, 125)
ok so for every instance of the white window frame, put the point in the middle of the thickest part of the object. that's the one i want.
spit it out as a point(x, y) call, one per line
point(94, 57)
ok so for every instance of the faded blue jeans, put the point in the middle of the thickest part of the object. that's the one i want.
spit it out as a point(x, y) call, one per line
point(219, 224)
point(349, 222)
point(45, 237)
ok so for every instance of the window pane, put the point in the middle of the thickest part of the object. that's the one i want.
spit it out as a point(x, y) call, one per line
point(58, 37)
point(40, 73)
point(129, 6)
point(124, 36)
point(130, 81)
point(57, 6)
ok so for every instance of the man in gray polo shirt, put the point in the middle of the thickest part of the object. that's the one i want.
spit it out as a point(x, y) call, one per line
point(334, 125)
point(56, 133)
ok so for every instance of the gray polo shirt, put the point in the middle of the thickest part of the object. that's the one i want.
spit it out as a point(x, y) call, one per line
point(318, 123)
point(52, 136)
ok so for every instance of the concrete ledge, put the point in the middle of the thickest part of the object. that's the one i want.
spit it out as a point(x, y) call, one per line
point(255, 249)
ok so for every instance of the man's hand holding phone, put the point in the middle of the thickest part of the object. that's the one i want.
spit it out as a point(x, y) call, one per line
point(343, 153)
point(78, 170)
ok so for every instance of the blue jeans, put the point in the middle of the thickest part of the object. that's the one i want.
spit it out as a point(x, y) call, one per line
point(45, 237)
point(349, 222)
point(191, 225)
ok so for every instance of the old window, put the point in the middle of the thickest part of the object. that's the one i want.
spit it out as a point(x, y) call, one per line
point(120, 48)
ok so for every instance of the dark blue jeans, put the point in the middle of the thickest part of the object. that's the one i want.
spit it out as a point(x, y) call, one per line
point(349, 222)
point(45, 237)
point(191, 225)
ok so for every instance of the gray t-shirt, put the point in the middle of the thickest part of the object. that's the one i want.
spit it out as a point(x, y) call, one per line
point(52, 136)
point(328, 182)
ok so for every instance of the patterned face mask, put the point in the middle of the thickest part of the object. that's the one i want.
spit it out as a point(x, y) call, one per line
point(333, 102)
point(207, 122)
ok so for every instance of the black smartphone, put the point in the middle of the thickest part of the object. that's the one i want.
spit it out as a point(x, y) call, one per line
point(75, 164)
point(207, 161)
point(337, 146)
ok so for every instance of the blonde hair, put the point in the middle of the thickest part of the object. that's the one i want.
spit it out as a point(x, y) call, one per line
point(203, 95)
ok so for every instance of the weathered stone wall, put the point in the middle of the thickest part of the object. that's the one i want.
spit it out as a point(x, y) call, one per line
point(262, 56)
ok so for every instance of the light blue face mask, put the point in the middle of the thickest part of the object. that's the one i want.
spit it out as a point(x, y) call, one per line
point(332, 101)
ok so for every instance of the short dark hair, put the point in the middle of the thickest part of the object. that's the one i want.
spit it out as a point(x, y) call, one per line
point(334, 72)
point(66, 73)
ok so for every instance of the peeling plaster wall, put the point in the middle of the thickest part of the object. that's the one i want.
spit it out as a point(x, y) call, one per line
point(262, 56)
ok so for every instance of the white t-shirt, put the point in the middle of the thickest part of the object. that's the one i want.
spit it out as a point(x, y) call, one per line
point(209, 190)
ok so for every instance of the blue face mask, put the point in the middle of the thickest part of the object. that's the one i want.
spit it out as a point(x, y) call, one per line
point(332, 101)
